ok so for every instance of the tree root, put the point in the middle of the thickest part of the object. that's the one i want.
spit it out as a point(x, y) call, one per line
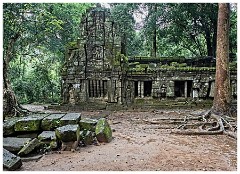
point(208, 128)
point(205, 123)
point(11, 107)
point(195, 132)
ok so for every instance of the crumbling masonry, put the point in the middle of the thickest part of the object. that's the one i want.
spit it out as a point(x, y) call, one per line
point(95, 71)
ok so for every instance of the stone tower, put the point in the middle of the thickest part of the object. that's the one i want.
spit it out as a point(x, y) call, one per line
point(89, 61)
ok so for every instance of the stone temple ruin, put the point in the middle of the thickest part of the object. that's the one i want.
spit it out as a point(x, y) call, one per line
point(96, 75)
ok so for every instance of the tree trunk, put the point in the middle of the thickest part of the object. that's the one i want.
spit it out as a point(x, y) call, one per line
point(11, 107)
point(123, 44)
point(221, 101)
point(154, 51)
point(209, 43)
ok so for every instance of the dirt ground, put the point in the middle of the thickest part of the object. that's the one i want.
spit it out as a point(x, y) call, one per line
point(140, 146)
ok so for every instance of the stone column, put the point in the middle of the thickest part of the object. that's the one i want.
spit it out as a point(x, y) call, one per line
point(139, 89)
point(109, 90)
point(212, 88)
point(185, 89)
point(101, 88)
point(142, 89)
point(119, 85)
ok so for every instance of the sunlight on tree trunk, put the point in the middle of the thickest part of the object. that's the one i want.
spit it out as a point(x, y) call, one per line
point(221, 102)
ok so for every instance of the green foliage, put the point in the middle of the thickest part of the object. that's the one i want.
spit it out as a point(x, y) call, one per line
point(187, 30)
point(44, 29)
point(122, 15)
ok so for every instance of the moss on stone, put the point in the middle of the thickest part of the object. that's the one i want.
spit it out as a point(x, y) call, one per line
point(8, 126)
point(30, 123)
point(51, 122)
point(103, 131)
point(88, 124)
point(68, 133)
point(29, 147)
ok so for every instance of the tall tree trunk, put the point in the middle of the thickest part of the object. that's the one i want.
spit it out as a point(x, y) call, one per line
point(123, 44)
point(154, 49)
point(221, 102)
point(11, 107)
point(209, 43)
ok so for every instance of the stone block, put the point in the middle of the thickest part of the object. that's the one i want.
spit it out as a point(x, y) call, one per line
point(29, 147)
point(88, 124)
point(47, 135)
point(30, 123)
point(70, 118)
point(68, 133)
point(51, 122)
point(11, 161)
point(49, 138)
point(8, 126)
point(14, 144)
point(103, 131)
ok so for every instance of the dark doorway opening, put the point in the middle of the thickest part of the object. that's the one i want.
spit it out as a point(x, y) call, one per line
point(136, 88)
point(147, 88)
point(189, 88)
point(179, 88)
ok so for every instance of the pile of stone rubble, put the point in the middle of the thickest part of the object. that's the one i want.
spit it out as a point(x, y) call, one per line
point(38, 133)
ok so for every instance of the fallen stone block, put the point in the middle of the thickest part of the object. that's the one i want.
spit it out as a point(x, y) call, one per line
point(30, 123)
point(103, 131)
point(68, 133)
point(51, 122)
point(11, 161)
point(70, 118)
point(8, 126)
point(29, 147)
point(88, 124)
point(47, 135)
point(49, 138)
point(14, 144)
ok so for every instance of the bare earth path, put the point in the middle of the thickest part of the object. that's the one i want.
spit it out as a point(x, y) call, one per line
point(138, 146)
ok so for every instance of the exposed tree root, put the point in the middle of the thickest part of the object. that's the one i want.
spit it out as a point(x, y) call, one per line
point(205, 123)
point(11, 107)
point(211, 124)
